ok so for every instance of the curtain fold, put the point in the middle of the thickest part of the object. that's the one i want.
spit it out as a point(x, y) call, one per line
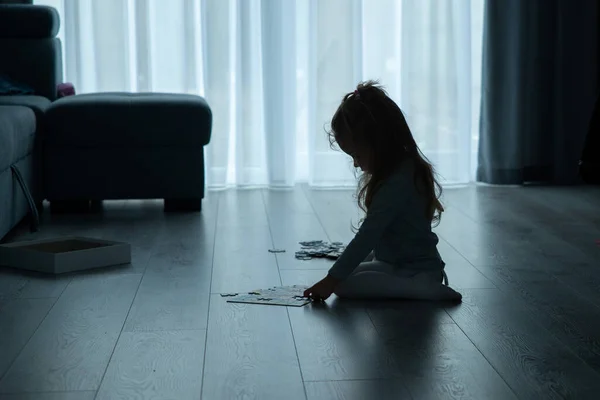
point(273, 72)
point(540, 77)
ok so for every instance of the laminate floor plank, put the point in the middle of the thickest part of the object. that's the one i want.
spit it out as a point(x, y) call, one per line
point(337, 342)
point(337, 211)
point(536, 241)
point(167, 302)
point(432, 356)
point(570, 318)
point(174, 292)
point(12, 282)
point(507, 209)
point(242, 261)
point(241, 209)
point(71, 348)
point(292, 220)
point(492, 243)
point(135, 223)
point(155, 365)
point(563, 219)
point(250, 353)
point(506, 213)
point(19, 319)
point(437, 360)
point(41, 286)
point(381, 389)
point(461, 273)
point(579, 204)
point(532, 362)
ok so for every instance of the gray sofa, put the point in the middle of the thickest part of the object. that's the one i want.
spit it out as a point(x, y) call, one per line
point(82, 149)
point(30, 54)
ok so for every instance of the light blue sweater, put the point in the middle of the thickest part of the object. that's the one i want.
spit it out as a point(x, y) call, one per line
point(395, 228)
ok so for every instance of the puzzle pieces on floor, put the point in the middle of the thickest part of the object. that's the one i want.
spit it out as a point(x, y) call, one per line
point(291, 296)
point(320, 249)
point(276, 251)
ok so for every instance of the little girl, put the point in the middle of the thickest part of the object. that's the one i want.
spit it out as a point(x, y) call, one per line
point(394, 253)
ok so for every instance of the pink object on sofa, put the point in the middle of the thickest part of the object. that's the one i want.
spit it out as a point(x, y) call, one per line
point(65, 89)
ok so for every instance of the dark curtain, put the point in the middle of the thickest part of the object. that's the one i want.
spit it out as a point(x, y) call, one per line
point(539, 84)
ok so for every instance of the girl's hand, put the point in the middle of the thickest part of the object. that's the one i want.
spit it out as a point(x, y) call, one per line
point(322, 290)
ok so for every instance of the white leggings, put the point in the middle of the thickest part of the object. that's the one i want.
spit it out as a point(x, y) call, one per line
point(379, 280)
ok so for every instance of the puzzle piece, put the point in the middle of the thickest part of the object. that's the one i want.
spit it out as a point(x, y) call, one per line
point(312, 243)
point(319, 249)
point(279, 295)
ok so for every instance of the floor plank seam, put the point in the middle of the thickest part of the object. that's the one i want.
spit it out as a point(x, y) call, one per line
point(534, 315)
point(462, 212)
point(529, 224)
point(315, 212)
point(35, 331)
point(296, 350)
point(287, 311)
point(112, 353)
point(595, 304)
point(401, 377)
point(470, 263)
point(212, 267)
point(485, 358)
point(164, 330)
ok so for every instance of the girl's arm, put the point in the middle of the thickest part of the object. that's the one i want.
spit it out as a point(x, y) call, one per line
point(387, 203)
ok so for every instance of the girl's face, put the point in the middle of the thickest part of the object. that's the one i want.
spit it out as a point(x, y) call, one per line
point(359, 156)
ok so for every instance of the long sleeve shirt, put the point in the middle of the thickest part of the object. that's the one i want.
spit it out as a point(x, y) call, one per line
point(396, 229)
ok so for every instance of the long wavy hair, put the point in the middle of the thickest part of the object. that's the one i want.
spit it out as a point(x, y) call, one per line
point(369, 120)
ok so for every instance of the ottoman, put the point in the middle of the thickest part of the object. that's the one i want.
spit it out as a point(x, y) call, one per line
point(111, 146)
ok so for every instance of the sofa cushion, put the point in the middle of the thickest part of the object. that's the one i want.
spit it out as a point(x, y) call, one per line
point(17, 134)
point(38, 104)
point(128, 120)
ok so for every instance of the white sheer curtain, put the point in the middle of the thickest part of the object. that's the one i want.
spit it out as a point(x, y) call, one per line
point(274, 71)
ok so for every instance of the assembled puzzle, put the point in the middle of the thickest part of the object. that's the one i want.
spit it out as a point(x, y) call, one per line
point(291, 296)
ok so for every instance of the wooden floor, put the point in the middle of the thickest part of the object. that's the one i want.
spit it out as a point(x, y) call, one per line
point(525, 260)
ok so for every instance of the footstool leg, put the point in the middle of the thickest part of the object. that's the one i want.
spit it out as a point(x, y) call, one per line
point(69, 206)
point(183, 205)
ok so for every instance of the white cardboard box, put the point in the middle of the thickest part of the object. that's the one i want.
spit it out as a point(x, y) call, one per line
point(65, 254)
